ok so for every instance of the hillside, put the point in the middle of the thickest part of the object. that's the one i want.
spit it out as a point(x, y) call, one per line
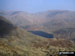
point(66, 33)
point(5, 26)
point(49, 21)
point(19, 42)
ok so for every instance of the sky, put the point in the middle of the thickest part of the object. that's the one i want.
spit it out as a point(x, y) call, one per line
point(34, 6)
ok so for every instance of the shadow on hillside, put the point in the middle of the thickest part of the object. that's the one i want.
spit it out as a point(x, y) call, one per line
point(5, 27)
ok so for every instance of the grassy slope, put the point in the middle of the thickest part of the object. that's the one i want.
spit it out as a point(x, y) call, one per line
point(23, 43)
point(19, 42)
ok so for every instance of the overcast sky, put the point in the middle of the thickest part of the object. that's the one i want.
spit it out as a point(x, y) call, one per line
point(33, 6)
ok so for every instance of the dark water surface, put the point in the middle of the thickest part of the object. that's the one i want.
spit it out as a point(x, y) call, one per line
point(43, 34)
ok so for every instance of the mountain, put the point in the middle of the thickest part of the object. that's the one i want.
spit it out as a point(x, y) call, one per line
point(49, 21)
point(16, 41)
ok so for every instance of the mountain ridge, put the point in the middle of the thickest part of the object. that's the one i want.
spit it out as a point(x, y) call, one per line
point(22, 43)
point(48, 21)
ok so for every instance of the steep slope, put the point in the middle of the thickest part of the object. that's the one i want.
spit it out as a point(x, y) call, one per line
point(66, 33)
point(54, 20)
point(19, 42)
point(5, 27)
point(48, 21)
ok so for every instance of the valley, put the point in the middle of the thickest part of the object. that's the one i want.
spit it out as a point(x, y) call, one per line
point(49, 21)
point(40, 34)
